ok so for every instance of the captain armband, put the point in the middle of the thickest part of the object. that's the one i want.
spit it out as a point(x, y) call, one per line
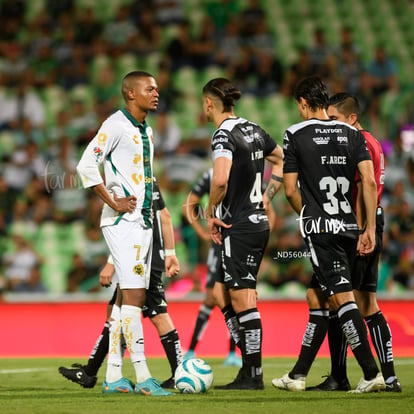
point(277, 178)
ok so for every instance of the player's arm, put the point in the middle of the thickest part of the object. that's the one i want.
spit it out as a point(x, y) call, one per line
point(105, 275)
point(172, 266)
point(190, 212)
point(366, 242)
point(218, 190)
point(88, 169)
point(292, 191)
point(121, 205)
point(359, 206)
point(275, 182)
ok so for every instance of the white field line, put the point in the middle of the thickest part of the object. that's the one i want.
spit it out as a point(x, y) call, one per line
point(269, 364)
point(24, 370)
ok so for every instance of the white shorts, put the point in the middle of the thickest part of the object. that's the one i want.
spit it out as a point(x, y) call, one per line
point(131, 248)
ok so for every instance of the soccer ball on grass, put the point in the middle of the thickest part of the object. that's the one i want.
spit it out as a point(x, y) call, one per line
point(193, 376)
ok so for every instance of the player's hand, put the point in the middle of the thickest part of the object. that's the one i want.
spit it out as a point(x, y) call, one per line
point(125, 204)
point(105, 277)
point(172, 266)
point(214, 224)
point(366, 242)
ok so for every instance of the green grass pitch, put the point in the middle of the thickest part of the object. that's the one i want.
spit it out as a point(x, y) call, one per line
point(34, 386)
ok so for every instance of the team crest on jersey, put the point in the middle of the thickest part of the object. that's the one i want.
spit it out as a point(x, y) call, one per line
point(139, 269)
point(102, 138)
point(98, 153)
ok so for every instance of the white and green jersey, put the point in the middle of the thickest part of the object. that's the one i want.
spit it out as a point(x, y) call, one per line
point(125, 148)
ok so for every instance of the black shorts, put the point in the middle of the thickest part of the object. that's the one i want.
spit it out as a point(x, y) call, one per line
point(241, 256)
point(365, 269)
point(155, 302)
point(332, 257)
point(213, 264)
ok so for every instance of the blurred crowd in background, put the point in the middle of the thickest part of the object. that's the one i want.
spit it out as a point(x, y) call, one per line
point(61, 63)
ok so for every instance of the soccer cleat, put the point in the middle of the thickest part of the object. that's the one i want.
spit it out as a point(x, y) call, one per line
point(243, 382)
point(374, 385)
point(289, 384)
point(331, 384)
point(168, 383)
point(233, 360)
point(79, 376)
point(122, 386)
point(151, 387)
point(189, 354)
point(393, 386)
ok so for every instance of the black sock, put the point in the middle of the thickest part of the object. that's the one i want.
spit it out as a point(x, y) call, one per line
point(312, 340)
point(338, 347)
point(201, 324)
point(355, 331)
point(251, 341)
point(382, 339)
point(232, 323)
point(232, 345)
point(172, 348)
point(99, 352)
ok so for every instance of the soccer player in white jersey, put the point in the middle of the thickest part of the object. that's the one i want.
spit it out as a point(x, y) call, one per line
point(124, 146)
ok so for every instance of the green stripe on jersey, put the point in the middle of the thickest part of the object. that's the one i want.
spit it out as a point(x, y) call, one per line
point(147, 205)
point(146, 153)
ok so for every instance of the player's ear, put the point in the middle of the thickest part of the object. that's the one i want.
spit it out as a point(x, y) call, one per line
point(131, 93)
point(353, 119)
point(302, 103)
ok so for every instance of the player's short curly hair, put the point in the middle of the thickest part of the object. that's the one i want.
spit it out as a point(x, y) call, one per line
point(129, 76)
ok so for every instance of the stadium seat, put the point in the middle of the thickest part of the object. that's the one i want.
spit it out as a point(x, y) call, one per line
point(55, 100)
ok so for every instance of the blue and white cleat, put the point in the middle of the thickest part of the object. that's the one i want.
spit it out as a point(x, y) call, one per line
point(151, 388)
point(233, 360)
point(189, 354)
point(122, 386)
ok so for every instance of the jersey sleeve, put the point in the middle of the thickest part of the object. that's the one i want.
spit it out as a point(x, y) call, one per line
point(289, 158)
point(98, 149)
point(222, 144)
point(269, 144)
point(361, 150)
point(202, 186)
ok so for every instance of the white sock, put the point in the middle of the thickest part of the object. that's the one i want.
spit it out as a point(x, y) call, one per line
point(114, 365)
point(134, 338)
